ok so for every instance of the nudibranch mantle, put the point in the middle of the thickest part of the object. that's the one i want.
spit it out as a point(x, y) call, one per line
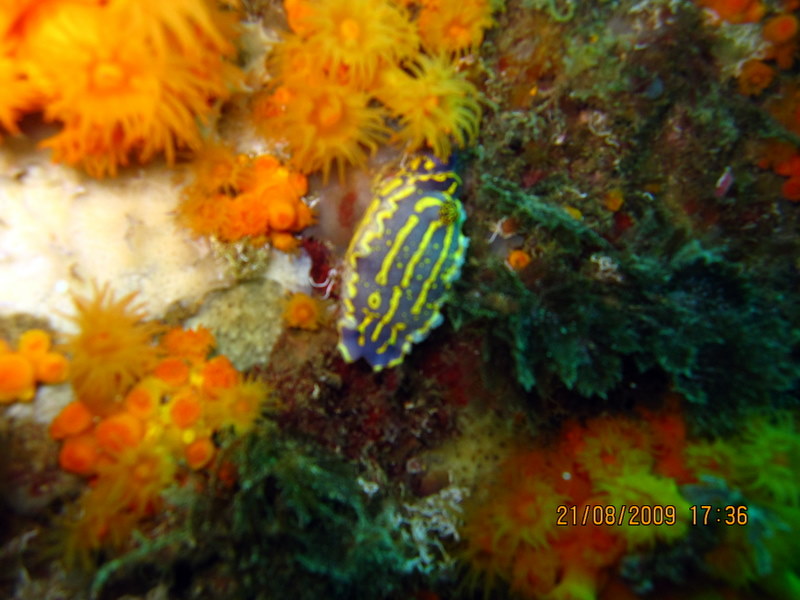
point(406, 252)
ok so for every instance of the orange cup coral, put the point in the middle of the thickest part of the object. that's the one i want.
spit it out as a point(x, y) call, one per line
point(119, 432)
point(112, 349)
point(125, 96)
point(79, 455)
point(303, 312)
point(199, 453)
point(454, 26)
point(755, 77)
point(236, 196)
point(73, 419)
point(17, 378)
point(191, 344)
point(328, 124)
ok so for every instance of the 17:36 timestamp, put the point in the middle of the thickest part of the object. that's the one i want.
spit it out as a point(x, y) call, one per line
point(729, 514)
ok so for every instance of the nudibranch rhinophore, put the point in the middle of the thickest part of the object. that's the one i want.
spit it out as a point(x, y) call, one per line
point(405, 254)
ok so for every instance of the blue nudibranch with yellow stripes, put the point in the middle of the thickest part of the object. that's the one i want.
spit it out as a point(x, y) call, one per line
point(404, 256)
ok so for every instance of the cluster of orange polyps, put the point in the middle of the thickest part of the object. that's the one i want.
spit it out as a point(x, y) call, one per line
point(164, 426)
point(32, 362)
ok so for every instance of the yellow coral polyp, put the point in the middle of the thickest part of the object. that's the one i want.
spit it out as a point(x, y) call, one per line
point(435, 103)
point(240, 406)
point(357, 36)
point(328, 124)
point(454, 26)
point(113, 348)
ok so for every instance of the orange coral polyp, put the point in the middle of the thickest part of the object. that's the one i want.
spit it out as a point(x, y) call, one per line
point(780, 29)
point(357, 36)
point(454, 26)
point(755, 77)
point(518, 259)
point(218, 374)
point(736, 11)
point(17, 378)
point(34, 342)
point(122, 97)
point(185, 409)
point(329, 124)
point(790, 189)
point(141, 402)
point(73, 419)
point(173, 371)
point(297, 14)
point(119, 432)
point(199, 453)
point(79, 455)
point(302, 312)
point(283, 241)
point(51, 367)
point(192, 344)
point(112, 349)
point(282, 215)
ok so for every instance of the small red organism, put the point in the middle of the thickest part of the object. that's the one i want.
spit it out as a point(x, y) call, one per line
point(322, 272)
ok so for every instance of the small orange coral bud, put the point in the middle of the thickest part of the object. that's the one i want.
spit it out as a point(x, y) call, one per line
point(454, 26)
point(791, 189)
point(784, 54)
point(283, 241)
point(613, 200)
point(118, 432)
point(141, 401)
point(518, 260)
point(51, 367)
point(34, 342)
point(73, 419)
point(302, 312)
point(282, 215)
point(226, 473)
point(16, 378)
point(789, 167)
point(305, 216)
point(173, 371)
point(780, 29)
point(297, 14)
point(200, 452)
point(185, 409)
point(736, 11)
point(218, 374)
point(755, 77)
point(193, 344)
point(79, 455)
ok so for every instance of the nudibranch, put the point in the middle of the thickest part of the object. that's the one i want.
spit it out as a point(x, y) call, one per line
point(406, 252)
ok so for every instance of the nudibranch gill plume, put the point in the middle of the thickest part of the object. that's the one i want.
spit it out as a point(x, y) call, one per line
point(406, 252)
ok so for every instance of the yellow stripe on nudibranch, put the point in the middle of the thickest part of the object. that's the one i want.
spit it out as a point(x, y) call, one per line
point(402, 260)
